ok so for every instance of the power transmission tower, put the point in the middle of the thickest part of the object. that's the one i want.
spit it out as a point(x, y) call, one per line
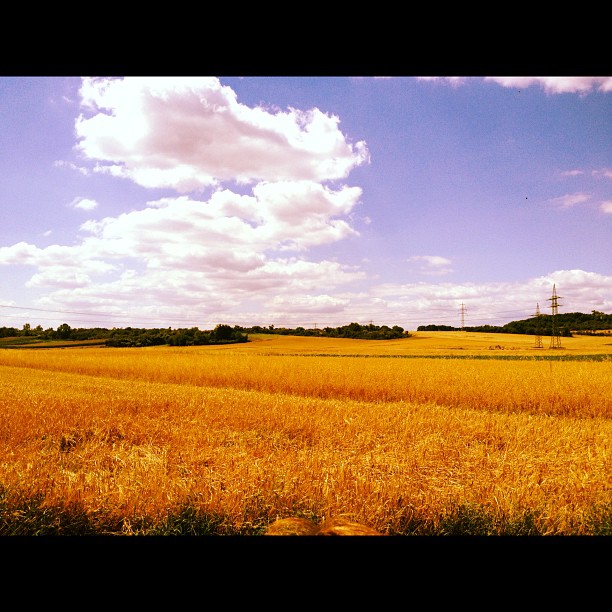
point(463, 310)
point(538, 328)
point(555, 336)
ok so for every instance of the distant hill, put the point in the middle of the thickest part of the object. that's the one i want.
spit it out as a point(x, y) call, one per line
point(568, 323)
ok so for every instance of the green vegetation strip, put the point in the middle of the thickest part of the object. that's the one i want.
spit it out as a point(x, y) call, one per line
point(27, 515)
point(601, 357)
point(50, 345)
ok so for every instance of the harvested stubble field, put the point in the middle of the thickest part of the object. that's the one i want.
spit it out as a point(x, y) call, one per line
point(440, 433)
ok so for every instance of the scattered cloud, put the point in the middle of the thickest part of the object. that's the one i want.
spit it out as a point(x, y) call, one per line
point(569, 200)
point(306, 304)
point(230, 245)
point(71, 166)
point(605, 172)
point(454, 81)
point(552, 85)
point(83, 203)
point(431, 264)
point(440, 303)
point(557, 85)
point(606, 207)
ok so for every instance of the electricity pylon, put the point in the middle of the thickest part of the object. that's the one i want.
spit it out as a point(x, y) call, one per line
point(463, 309)
point(555, 336)
point(538, 330)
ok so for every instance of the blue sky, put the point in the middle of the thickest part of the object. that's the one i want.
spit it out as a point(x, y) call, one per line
point(303, 201)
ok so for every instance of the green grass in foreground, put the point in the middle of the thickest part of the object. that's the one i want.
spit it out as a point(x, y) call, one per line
point(27, 516)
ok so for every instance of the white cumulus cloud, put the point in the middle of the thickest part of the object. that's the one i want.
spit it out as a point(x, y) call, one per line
point(188, 133)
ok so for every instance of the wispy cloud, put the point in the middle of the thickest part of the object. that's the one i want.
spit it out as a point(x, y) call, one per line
point(433, 265)
point(83, 203)
point(557, 85)
point(455, 81)
point(552, 85)
point(605, 172)
point(569, 200)
point(71, 166)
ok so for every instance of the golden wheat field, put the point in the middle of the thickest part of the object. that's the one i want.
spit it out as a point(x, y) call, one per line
point(438, 433)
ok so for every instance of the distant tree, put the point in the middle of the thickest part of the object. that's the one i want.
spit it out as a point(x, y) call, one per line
point(64, 331)
point(222, 333)
point(6, 332)
point(181, 339)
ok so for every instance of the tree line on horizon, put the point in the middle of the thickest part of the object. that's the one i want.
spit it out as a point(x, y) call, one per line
point(568, 323)
point(221, 334)
point(595, 323)
point(352, 330)
point(132, 336)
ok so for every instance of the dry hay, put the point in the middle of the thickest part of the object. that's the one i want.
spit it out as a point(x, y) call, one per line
point(331, 527)
point(291, 526)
